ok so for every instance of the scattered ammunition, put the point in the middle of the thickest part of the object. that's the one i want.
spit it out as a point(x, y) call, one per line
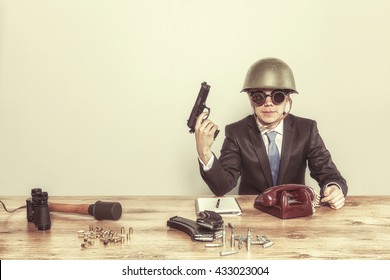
point(224, 235)
point(204, 238)
point(86, 244)
point(257, 242)
point(213, 245)
point(260, 240)
point(104, 235)
point(248, 239)
point(227, 253)
point(218, 234)
point(266, 242)
point(232, 236)
point(93, 236)
point(117, 239)
point(239, 242)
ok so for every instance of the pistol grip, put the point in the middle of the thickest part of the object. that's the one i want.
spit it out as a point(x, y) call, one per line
point(216, 134)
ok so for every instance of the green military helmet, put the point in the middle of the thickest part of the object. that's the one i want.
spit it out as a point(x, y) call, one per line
point(269, 73)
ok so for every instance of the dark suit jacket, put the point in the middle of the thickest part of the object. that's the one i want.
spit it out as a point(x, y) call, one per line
point(244, 155)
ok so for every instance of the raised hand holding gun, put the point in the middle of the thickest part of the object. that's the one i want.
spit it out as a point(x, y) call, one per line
point(199, 107)
point(205, 130)
point(204, 136)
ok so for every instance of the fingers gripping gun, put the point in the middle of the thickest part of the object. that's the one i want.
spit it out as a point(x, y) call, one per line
point(199, 106)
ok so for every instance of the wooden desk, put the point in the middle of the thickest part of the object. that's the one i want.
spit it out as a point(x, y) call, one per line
point(360, 230)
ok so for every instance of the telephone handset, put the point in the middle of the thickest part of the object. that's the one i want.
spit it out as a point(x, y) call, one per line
point(288, 201)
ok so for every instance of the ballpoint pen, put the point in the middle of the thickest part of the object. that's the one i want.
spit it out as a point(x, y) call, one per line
point(218, 201)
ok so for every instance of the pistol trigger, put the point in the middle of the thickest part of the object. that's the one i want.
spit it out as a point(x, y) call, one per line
point(208, 111)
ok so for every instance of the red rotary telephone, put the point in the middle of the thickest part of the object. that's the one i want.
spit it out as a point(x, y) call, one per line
point(288, 201)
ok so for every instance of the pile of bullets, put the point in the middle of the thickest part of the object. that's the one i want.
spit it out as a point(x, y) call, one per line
point(260, 240)
point(104, 235)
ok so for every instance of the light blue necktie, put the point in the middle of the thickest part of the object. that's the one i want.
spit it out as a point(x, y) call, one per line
point(273, 155)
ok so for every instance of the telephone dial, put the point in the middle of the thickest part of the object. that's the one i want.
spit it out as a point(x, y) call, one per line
point(288, 201)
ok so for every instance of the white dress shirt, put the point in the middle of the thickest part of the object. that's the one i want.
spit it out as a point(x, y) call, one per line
point(279, 135)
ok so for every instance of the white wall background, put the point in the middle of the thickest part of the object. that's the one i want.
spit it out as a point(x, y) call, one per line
point(95, 95)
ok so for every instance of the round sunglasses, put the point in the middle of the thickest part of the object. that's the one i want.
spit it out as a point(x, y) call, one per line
point(258, 97)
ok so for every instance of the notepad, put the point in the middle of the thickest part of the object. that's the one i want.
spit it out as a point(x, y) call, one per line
point(220, 205)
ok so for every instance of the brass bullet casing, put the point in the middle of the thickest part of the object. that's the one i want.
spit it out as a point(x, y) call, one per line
point(227, 253)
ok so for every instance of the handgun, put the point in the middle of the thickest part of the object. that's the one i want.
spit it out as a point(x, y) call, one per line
point(210, 220)
point(197, 233)
point(199, 106)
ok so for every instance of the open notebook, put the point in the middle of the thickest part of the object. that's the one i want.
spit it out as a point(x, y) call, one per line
point(220, 205)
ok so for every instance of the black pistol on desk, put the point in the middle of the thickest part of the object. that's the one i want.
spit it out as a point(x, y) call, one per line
point(199, 106)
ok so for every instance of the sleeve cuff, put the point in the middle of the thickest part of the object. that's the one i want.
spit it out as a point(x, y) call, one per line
point(207, 167)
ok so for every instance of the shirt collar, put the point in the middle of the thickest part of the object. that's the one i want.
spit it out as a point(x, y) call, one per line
point(264, 130)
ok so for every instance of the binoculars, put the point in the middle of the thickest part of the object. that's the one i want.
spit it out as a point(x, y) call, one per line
point(38, 211)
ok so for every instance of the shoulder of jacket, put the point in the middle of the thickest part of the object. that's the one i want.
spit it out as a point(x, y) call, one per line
point(300, 120)
point(248, 120)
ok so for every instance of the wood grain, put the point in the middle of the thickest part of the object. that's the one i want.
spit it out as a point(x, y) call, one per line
point(360, 230)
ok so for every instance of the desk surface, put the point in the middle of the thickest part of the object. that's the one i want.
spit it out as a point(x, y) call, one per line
point(360, 230)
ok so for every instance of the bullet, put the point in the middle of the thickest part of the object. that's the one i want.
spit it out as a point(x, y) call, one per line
point(228, 253)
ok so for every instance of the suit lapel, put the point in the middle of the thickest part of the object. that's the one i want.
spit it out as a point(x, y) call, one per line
point(288, 133)
point(260, 151)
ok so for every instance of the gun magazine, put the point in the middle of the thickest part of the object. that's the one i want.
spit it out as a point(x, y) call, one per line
point(191, 228)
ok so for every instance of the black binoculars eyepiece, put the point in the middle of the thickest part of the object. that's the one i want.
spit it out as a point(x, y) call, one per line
point(38, 209)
